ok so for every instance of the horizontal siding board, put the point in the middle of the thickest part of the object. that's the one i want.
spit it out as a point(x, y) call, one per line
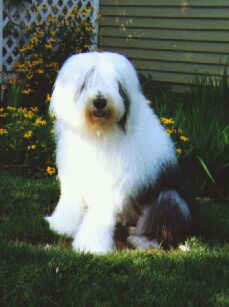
point(172, 12)
point(189, 35)
point(173, 57)
point(186, 68)
point(173, 78)
point(186, 46)
point(168, 3)
point(171, 23)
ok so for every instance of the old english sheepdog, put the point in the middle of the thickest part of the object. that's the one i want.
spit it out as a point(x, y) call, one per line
point(116, 163)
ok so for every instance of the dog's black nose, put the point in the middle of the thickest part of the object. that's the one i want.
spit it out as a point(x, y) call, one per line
point(100, 103)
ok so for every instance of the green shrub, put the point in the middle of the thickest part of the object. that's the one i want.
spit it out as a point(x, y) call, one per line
point(202, 112)
point(205, 119)
point(26, 140)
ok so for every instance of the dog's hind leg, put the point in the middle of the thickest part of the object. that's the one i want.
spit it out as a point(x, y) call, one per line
point(166, 221)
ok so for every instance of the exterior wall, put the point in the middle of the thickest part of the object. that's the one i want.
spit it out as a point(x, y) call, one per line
point(171, 39)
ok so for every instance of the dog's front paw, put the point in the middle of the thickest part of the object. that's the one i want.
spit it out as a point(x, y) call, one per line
point(61, 227)
point(92, 245)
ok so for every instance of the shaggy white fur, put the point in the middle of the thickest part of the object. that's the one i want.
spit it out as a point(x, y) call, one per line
point(105, 154)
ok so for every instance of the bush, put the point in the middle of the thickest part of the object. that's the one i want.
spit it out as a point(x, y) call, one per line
point(43, 49)
point(26, 140)
point(202, 112)
point(205, 118)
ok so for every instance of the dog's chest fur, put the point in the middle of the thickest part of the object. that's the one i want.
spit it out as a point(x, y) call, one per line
point(105, 171)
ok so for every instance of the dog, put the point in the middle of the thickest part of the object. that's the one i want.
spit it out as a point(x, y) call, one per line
point(116, 163)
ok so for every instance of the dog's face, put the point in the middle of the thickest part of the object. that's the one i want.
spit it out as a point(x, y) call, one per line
point(102, 101)
point(93, 92)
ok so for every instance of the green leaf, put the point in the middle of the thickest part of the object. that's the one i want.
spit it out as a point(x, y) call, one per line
point(206, 169)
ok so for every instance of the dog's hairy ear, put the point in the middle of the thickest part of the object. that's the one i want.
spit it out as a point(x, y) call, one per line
point(126, 101)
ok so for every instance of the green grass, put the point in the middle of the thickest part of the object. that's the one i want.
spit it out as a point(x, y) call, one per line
point(37, 267)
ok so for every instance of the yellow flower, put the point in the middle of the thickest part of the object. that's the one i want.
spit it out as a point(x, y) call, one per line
point(40, 33)
point(184, 138)
point(10, 108)
point(28, 114)
point(179, 150)
point(22, 110)
point(48, 97)
point(34, 40)
point(169, 131)
point(75, 10)
point(40, 71)
point(31, 147)
point(27, 91)
point(34, 109)
point(167, 121)
point(48, 46)
point(40, 122)
point(52, 40)
point(28, 134)
point(3, 131)
point(50, 170)
point(1, 109)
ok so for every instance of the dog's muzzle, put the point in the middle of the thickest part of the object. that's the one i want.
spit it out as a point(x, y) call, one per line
point(99, 107)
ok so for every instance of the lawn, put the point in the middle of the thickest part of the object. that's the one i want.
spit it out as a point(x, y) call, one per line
point(38, 268)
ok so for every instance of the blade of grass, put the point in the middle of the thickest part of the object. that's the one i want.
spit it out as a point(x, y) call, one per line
point(206, 169)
